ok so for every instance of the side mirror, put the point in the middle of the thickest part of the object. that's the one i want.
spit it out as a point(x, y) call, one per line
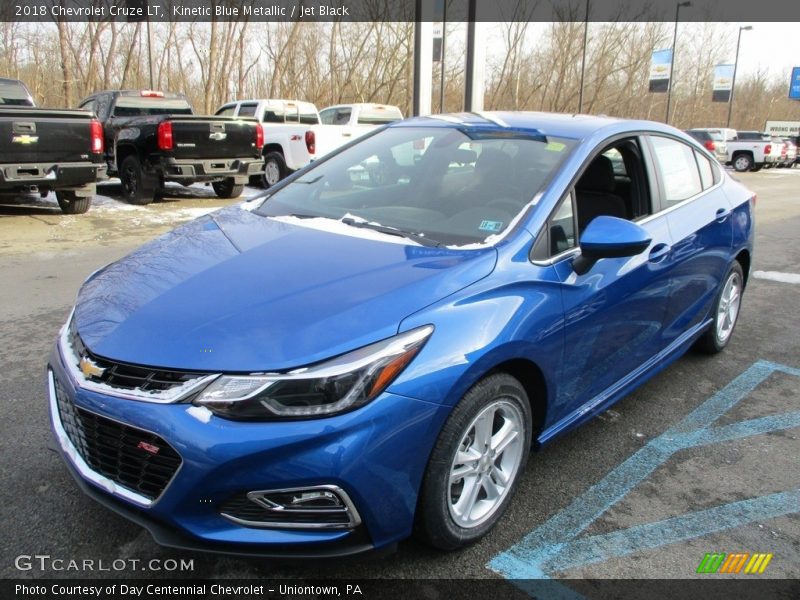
point(609, 237)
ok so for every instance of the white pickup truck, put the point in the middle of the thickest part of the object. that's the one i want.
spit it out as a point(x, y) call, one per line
point(749, 150)
point(295, 134)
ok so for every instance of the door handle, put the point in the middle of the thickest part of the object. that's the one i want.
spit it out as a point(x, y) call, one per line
point(658, 253)
point(345, 134)
point(722, 214)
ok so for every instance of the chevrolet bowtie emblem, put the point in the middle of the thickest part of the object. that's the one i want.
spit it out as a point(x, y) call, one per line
point(25, 139)
point(218, 136)
point(89, 368)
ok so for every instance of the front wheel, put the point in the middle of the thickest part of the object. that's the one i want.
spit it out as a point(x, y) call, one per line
point(476, 464)
point(726, 312)
point(72, 204)
point(227, 188)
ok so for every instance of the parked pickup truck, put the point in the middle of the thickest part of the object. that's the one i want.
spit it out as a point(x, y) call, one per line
point(747, 150)
point(46, 150)
point(295, 134)
point(153, 137)
point(752, 151)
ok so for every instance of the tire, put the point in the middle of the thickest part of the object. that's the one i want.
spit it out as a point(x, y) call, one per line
point(449, 516)
point(275, 169)
point(726, 312)
point(71, 204)
point(227, 188)
point(742, 162)
point(137, 187)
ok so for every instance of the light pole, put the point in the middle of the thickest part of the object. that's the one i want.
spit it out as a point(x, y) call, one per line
point(678, 7)
point(733, 79)
point(583, 60)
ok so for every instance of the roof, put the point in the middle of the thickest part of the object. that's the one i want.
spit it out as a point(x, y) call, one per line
point(575, 126)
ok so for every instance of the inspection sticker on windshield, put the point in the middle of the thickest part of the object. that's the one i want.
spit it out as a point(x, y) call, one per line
point(492, 226)
point(555, 146)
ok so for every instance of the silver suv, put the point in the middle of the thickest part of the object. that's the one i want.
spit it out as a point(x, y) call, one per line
point(713, 141)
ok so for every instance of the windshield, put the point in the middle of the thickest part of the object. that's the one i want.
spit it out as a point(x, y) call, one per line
point(446, 186)
point(134, 106)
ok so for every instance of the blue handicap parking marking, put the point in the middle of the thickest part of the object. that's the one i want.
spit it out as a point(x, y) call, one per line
point(556, 546)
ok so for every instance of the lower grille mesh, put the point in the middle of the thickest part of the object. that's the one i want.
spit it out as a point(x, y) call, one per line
point(138, 460)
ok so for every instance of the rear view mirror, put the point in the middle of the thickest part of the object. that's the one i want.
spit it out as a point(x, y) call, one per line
point(609, 237)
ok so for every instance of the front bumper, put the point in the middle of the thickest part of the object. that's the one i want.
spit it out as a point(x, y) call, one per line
point(376, 454)
point(211, 169)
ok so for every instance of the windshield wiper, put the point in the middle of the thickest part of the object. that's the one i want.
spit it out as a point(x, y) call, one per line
point(412, 235)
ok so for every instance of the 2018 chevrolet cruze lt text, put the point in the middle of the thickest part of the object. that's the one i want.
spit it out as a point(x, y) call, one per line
point(375, 345)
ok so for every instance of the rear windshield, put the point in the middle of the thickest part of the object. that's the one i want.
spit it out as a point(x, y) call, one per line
point(134, 106)
point(13, 93)
point(701, 135)
point(290, 114)
point(443, 185)
point(375, 115)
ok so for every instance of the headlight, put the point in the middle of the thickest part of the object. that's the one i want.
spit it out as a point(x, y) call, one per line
point(334, 386)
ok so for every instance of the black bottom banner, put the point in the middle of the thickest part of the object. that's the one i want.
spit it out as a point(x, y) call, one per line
point(401, 589)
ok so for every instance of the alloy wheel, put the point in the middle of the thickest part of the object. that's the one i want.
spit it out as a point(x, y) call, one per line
point(728, 308)
point(486, 463)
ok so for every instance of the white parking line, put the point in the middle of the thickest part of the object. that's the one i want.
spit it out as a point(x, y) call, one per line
point(777, 276)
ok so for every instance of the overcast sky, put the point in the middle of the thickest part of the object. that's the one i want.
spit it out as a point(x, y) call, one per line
point(773, 46)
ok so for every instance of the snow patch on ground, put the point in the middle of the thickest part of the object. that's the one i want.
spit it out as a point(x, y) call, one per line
point(777, 276)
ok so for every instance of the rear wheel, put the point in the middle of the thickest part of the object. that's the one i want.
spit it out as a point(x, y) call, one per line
point(227, 188)
point(72, 204)
point(274, 169)
point(742, 162)
point(726, 312)
point(475, 467)
point(137, 187)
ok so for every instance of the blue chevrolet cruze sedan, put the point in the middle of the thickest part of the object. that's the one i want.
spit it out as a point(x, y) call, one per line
point(376, 344)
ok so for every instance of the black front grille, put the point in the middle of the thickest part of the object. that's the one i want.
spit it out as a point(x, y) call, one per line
point(138, 460)
point(126, 376)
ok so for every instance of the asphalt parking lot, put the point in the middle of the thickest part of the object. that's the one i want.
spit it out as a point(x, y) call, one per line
point(703, 458)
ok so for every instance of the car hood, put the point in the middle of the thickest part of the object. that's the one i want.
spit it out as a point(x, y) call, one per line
point(238, 292)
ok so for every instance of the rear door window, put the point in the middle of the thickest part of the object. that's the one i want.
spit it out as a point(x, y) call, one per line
point(680, 176)
point(248, 110)
point(707, 178)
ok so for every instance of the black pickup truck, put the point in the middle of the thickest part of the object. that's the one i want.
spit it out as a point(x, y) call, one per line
point(44, 150)
point(153, 137)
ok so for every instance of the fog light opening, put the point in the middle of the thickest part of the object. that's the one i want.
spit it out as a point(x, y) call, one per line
point(315, 507)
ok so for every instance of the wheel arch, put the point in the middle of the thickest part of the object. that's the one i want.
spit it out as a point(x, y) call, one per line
point(124, 151)
point(515, 361)
point(743, 258)
point(272, 147)
point(533, 381)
